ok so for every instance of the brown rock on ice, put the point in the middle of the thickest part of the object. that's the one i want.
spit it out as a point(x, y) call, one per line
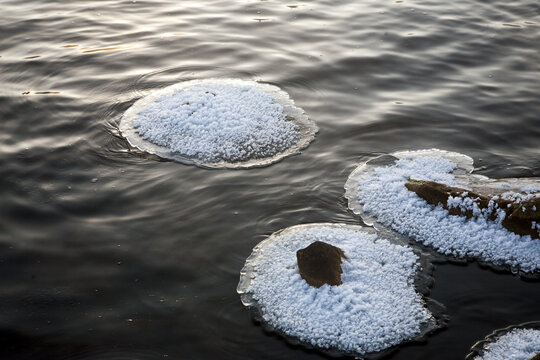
point(536, 357)
point(436, 193)
point(520, 216)
point(320, 263)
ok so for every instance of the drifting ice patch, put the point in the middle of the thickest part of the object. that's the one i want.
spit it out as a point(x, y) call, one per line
point(376, 191)
point(516, 343)
point(375, 308)
point(218, 123)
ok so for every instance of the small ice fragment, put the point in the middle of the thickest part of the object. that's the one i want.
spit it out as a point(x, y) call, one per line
point(516, 344)
point(530, 189)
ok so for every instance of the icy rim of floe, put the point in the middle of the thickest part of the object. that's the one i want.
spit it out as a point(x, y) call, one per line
point(423, 281)
point(306, 127)
point(464, 165)
point(481, 347)
point(463, 178)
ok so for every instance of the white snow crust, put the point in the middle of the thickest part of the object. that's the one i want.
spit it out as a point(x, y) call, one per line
point(378, 194)
point(218, 122)
point(375, 308)
point(518, 344)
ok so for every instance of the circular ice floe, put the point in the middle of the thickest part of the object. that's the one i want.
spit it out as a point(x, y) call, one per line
point(218, 123)
point(376, 191)
point(513, 343)
point(375, 308)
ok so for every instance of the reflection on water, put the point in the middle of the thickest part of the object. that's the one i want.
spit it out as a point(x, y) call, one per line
point(82, 257)
point(40, 92)
point(106, 49)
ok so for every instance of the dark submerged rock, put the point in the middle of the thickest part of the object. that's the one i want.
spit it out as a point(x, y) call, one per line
point(320, 263)
point(536, 357)
point(519, 217)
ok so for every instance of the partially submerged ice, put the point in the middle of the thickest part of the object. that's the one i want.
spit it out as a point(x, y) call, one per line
point(376, 307)
point(382, 192)
point(515, 342)
point(218, 123)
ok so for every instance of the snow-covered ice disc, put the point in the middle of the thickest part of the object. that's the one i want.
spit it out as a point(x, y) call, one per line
point(378, 306)
point(520, 342)
point(376, 191)
point(218, 123)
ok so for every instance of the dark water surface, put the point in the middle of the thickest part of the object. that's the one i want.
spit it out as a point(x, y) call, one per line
point(107, 253)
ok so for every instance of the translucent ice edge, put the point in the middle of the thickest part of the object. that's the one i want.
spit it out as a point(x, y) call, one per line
point(376, 308)
point(185, 123)
point(521, 342)
point(375, 191)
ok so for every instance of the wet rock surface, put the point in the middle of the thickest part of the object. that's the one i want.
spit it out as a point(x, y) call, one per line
point(320, 263)
point(520, 217)
point(536, 357)
point(435, 193)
